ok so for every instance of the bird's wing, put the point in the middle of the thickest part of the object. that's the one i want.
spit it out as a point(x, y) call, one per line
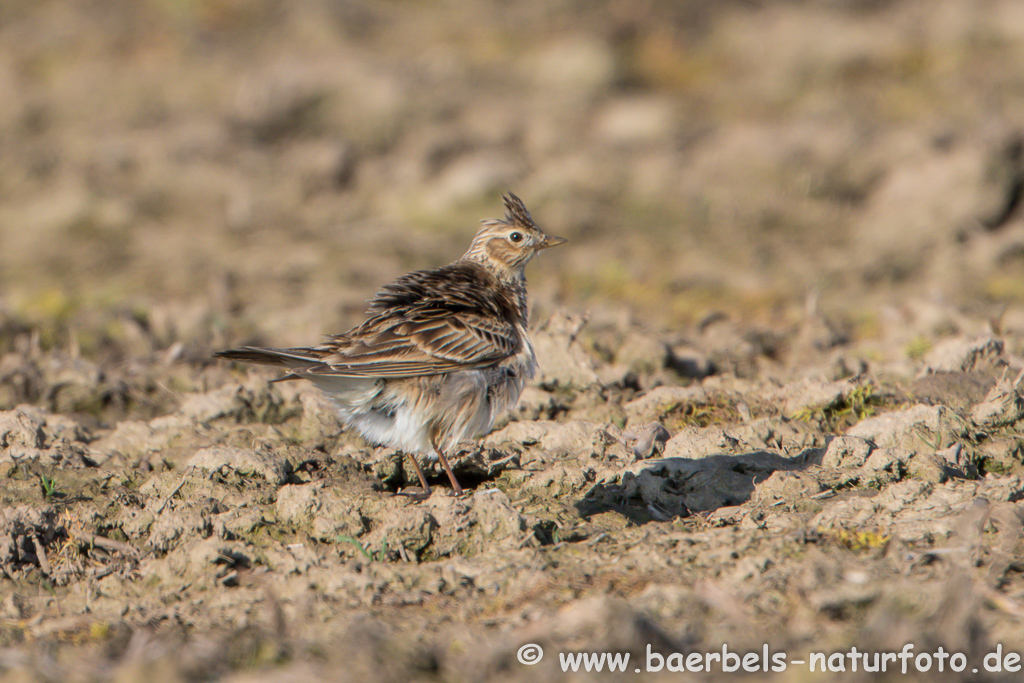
point(427, 341)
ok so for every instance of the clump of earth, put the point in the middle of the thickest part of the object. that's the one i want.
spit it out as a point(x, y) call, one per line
point(781, 386)
point(622, 505)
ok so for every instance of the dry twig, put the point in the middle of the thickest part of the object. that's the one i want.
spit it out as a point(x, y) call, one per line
point(184, 478)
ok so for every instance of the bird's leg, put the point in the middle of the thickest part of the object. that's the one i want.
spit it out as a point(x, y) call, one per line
point(448, 468)
point(423, 481)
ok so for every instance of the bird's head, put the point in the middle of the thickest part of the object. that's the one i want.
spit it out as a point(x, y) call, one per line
point(506, 246)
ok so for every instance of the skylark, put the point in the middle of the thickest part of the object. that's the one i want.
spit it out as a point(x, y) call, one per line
point(443, 353)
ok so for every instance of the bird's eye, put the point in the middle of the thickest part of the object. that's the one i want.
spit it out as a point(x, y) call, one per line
point(516, 237)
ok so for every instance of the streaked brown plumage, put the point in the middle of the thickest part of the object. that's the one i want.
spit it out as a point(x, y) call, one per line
point(443, 353)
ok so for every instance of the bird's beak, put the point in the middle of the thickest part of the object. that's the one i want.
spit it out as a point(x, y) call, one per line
point(550, 241)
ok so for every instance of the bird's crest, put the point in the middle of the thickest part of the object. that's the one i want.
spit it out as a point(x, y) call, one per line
point(516, 213)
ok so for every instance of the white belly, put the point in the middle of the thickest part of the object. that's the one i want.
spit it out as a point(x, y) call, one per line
point(407, 413)
point(403, 429)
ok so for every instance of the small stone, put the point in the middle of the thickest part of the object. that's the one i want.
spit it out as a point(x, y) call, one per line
point(927, 467)
point(642, 353)
point(328, 512)
point(1002, 406)
point(647, 441)
point(132, 439)
point(656, 404)
point(846, 451)
point(917, 428)
point(788, 486)
point(255, 401)
point(554, 438)
point(411, 528)
point(320, 425)
point(813, 394)
point(701, 442)
point(242, 460)
point(963, 355)
point(690, 362)
point(21, 427)
point(563, 361)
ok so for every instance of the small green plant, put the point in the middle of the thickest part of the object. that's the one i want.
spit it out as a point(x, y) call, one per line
point(715, 411)
point(857, 540)
point(379, 556)
point(859, 404)
point(918, 347)
point(49, 485)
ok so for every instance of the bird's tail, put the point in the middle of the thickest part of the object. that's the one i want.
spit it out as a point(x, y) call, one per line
point(294, 359)
point(289, 358)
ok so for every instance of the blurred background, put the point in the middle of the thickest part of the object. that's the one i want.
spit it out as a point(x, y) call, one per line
point(222, 170)
point(784, 217)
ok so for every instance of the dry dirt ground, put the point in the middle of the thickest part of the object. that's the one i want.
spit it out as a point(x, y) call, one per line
point(780, 401)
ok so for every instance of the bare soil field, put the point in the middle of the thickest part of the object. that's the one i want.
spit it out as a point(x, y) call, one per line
point(782, 356)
